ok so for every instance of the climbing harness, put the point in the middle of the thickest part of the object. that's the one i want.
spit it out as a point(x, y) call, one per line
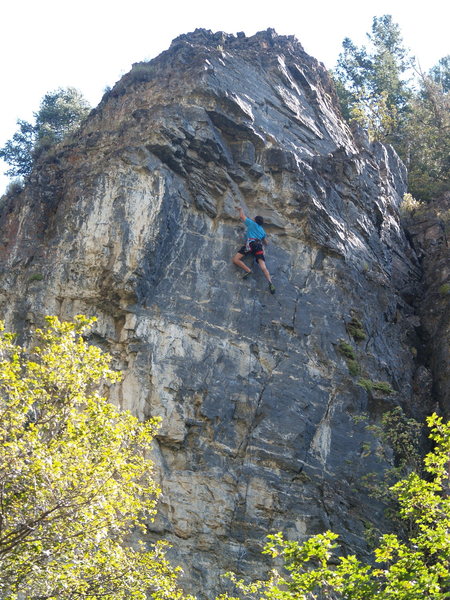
point(254, 245)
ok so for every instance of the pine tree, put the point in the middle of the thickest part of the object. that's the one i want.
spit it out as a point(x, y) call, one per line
point(59, 114)
point(374, 79)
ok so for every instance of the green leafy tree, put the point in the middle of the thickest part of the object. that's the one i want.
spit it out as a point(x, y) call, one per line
point(376, 93)
point(414, 569)
point(59, 114)
point(440, 73)
point(426, 146)
point(74, 480)
point(18, 151)
point(390, 60)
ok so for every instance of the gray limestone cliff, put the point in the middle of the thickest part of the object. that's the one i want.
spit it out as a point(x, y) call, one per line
point(134, 219)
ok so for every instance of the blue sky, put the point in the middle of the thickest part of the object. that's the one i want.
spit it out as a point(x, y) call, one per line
point(90, 44)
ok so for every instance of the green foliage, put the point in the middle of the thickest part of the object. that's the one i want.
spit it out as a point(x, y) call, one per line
point(410, 205)
point(350, 357)
point(18, 151)
point(403, 436)
point(360, 418)
point(74, 481)
point(345, 97)
point(141, 72)
point(59, 114)
point(426, 145)
point(35, 277)
point(356, 330)
point(445, 289)
point(367, 384)
point(374, 92)
point(347, 350)
point(440, 73)
point(411, 569)
point(371, 80)
point(380, 386)
point(353, 367)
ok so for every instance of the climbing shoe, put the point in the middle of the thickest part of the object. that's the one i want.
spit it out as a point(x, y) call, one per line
point(247, 275)
point(272, 288)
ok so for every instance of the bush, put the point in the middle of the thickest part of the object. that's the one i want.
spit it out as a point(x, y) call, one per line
point(74, 478)
point(353, 367)
point(346, 350)
point(356, 330)
point(141, 72)
point(416, 568)
point(379, 386)
point(350, 357)
point(410, 204)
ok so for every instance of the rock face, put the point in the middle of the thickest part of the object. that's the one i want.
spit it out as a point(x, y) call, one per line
point(428, 229)
point(134, 220)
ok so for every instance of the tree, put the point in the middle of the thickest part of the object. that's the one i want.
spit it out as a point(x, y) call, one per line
point(59, 114)
point(373, 92)
point(373, 78)
point(417, 568)
point(18, 151)
point(390, 59)
point(426, 146)
point(74, 480)
point(440, 73)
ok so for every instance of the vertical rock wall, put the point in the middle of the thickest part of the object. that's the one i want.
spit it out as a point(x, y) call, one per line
point(134, 220)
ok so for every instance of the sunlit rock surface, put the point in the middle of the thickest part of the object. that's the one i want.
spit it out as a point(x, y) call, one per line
point(134, 220)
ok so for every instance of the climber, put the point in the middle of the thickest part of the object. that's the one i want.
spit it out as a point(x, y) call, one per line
point(255, 238)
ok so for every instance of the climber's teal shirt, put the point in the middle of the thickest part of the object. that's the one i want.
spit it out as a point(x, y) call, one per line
point(254, 230)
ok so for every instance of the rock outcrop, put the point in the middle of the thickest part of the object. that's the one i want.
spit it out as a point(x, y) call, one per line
point(428, 228)
point(134, 220)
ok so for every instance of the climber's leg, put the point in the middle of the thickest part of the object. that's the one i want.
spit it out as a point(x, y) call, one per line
point(237, 260)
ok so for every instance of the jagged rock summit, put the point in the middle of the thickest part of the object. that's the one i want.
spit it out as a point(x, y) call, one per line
point(134, 220)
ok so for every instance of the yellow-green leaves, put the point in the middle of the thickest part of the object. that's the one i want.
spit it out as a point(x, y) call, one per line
point(414, 569)
point(73, 478)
